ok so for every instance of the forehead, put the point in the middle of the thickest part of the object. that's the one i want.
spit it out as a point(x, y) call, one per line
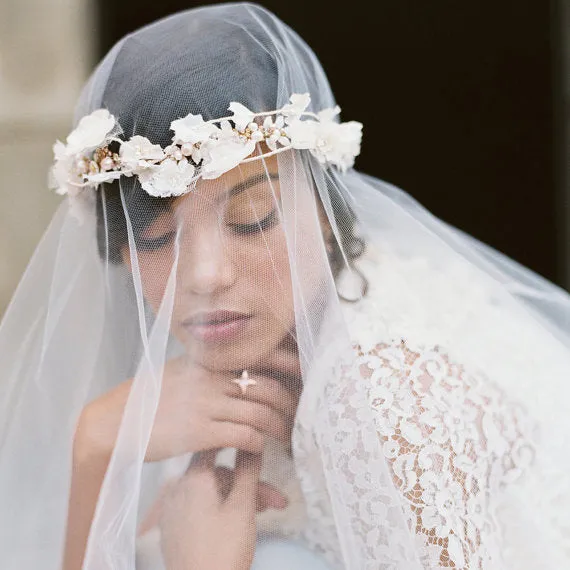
point(239, 179)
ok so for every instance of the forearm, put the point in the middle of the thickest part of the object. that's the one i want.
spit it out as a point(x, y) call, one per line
point(89, 466)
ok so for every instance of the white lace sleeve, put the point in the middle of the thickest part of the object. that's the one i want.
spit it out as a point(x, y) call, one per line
point(452, 441)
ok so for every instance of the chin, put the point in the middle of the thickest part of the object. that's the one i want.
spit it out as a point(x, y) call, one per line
point(232, 356)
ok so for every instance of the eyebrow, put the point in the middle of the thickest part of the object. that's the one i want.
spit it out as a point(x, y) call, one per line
point(251, 181)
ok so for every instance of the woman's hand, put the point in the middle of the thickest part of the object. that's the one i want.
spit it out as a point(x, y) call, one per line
point(268, 497)
point(198, 410)
point(206, 525)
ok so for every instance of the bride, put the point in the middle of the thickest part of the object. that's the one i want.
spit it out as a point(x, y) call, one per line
point(231, 350)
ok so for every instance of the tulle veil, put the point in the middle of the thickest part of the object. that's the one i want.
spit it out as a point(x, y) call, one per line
point(98, 305)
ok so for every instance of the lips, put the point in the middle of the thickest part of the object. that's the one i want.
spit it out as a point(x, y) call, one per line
point(216, 325)
point(214, 318)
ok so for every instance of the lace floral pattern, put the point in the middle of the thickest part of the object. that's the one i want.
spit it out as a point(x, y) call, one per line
point(424, 450)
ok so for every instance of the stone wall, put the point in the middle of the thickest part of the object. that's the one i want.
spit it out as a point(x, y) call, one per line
point(46, 51)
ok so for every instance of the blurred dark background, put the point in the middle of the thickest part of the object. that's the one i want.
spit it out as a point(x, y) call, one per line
point(462, 105)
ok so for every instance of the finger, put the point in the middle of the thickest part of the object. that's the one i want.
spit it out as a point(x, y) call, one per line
point(268, 391)
point(203, 460)
point(269, 497)
point(283, 364)
point(289, 342)
point(240, 436)
point(259, 416)
point(285, 358)
point(197, 489)
point(153, 515)
point(225, 478)
point(246, 480)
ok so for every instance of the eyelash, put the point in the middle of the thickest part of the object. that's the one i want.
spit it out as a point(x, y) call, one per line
point(154, 243)
point(248, 229)
point(240, 229)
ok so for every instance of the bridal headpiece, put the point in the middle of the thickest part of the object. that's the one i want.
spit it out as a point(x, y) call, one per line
point(200, 149)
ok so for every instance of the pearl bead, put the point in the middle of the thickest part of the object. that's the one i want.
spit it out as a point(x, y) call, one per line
point(107, 164)
point(81, 166)
point(177, 155)
point(187, 149)
point(252, 126)
point(170, 149)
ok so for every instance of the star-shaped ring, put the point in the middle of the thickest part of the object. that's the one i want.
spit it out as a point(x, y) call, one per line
point(244, 381)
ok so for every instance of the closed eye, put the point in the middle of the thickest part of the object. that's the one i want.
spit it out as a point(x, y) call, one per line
point(258, 226)
point(150, 244)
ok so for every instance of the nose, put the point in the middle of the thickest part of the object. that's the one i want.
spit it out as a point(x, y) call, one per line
point(205, 263)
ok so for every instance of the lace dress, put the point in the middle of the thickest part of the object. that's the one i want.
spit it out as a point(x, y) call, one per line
point(453, 443)
point(416, 446)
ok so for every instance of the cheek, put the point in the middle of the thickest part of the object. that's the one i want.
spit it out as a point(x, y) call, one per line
point(155, 270)
point(266, 270)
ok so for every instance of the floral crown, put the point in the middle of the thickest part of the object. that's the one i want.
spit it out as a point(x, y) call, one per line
point(200, 149)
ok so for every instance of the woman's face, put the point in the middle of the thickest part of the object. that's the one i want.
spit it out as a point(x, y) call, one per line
point(234, 300)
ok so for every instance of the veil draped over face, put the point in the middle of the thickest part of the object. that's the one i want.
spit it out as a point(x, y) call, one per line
point(432, 427)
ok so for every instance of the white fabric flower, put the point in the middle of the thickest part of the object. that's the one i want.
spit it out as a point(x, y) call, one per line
point(224, 155)
point(192, 129)
point(329, 141)
point(328, 115)
point(337, 143)
point(216, 149)
point(139, 153)
point(297, 106)
point(92, 131)
point(168, 178)
point(100, 177)
point(242, 116)
point(302, 134)
point(273, 132)
point(64, 178)
point(226, 132)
